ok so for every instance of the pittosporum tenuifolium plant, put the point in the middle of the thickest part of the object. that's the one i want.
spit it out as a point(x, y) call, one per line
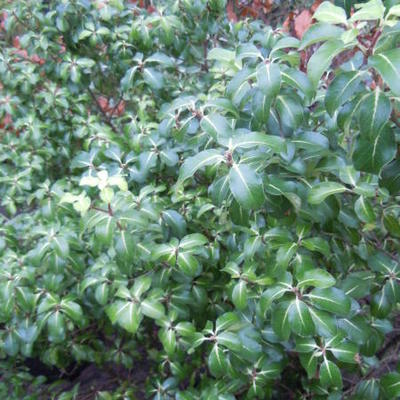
point(218, 198)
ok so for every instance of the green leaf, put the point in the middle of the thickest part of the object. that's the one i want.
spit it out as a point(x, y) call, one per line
point(152, 309)
point(316, 277)
point(290, 111)
point(261, 106)
point(298, 80)
point(270, 295)
point(300, 320)
point(392, 225)
point(168, 339)
point(217, 361)
point(175, 222)
point(128, 79)
point(246, 186)
point(125, 246)
point(329, 374)
point(164, 252)
point(239, 295)
point(320, 32)
point(227, 321)
point(220, 54)
point(364, 210)
point(72, 310)
point(387, 64)
point(309, 361)
point(305, 345)
point(192, 241)
point(321, 191)
point(341, 89)
point(160, 58)
point(280, 320)
point(371, 155)
point(391, 385)
point(101, 293)
point(216, 126)
point(345, 352)
point(255, 139)
point(368, 389)
point(317, 244)
point(247, 50)
point(327, 12)
point(269, 78)
point(382, 263)
point(285, 254)
point(322, 58)
point(104, 230)
point(61, 246)
point(373, 9)
point(56, 326)
point(126, 314)
point(193, 164)
point(373, 113)
point(142, 284)
point(188, 264)
point(153, 78)
point(229, 340)
point(330, 299)
point(325, 323)
point(381, 305)
point(356, 329)
point(390, 177)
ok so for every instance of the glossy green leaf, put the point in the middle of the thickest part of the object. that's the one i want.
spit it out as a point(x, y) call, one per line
point(255, 139)
point(329, 374)
point(280, 320)
point(317, 277)
point(364, 210)
point(317, 244)
point(298, 80)
point(217, 361)
point(322, 58)
point(321, 191)
point(216, 126)
point(202, 159)
point(300, 320)
point(330, 299)
point(269, 78)
point(341, 89)
point(391, 384)
point(345, 352)
point(126, 314)
point(320, 32)
point(327, 12)
point(187, 263)
point(373, 113)
point(387, 64)
point(370, 10)
point(371, 155)
point(152, 309)
point(246, 186)
point(239, 295)
point(290, 111)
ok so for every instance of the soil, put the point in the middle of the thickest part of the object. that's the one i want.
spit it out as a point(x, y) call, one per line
point(90, 377)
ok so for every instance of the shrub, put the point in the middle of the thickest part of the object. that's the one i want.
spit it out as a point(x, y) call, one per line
point(219, 198)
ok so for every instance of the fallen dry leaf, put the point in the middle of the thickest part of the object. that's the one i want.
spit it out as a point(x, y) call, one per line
point(230, 11)
point(287, 24)
point(315, 5)
point(302, 22)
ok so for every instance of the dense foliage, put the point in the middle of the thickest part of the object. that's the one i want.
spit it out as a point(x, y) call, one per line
point(218, 198)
